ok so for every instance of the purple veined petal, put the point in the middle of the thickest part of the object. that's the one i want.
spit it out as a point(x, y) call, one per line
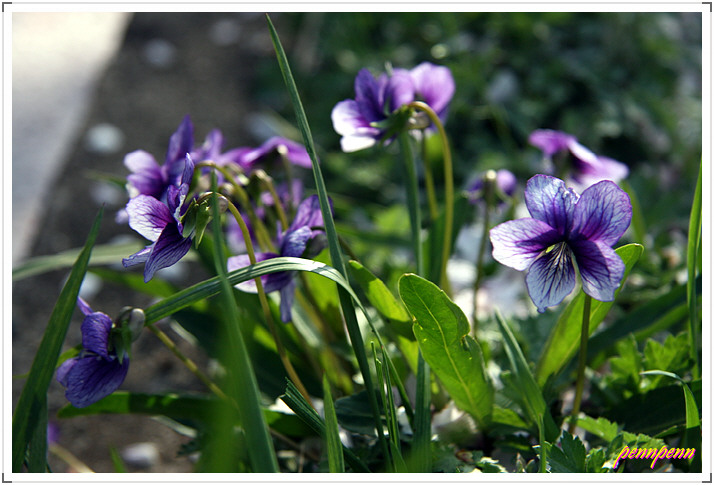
point(517, 243)
point(64, 369)
point(550, 141)
point(434, 84)
point(309, 214)
point(146, 177)
point(548, 200)
point(369, 95)
point(95, 333)
point(294, 242)
point(84, 306)
point(180, 143)
point(169, 248)
point(399, 90)
point(138, 257)
point(551, 277)
point(271, 282)
point(603, 213)
point(287, 296)
point(148, 216)
point(348, 120)
point(92, 378)
point(601, 268)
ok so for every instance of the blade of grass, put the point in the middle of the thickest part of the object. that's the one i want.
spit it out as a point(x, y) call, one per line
point(693, 243)
point(336, 257)
point(32, 402)
point(335, 458)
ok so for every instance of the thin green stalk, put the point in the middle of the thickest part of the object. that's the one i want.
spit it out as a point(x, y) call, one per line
point(582, 357)
point(244, 385)
point(693, 247)
point(429, 182)
point(268, 181)
point(448, 191)
point(541, 440)
point(489, 188)
point(266, 308)
point(413, 199)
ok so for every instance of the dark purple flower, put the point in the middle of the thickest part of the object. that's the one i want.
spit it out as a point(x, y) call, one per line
point(150, 178)
point(97, 371)
point(296, 153)
point(588, 168)
point(505, 184)
point(375, 99)
point(160, 222)
point(564, 226)
point(292, 243)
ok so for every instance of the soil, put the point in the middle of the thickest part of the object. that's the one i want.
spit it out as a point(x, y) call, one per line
point(170, 65)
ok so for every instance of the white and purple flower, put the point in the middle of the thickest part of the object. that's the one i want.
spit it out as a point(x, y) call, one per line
point(161, 223)
point(97, 371)
point(588, 168)
point(292, 243)
point(563, 226)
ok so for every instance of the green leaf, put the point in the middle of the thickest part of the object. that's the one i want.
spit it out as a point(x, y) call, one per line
point(693, 261)
point(441, 329)
point(335, 458)
point(103, 254)
point(434, 245)
point(119, 466)
point(569, 458)
point(690, 404)
point(564, 340)
point(530, 397)
point(378, 294)
point(672, 356)
point(135, 281)
point(31, 408)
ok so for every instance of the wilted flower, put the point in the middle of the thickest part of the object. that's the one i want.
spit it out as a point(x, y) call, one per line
point(161, 222)
point(566, 226)
point(97, 371)
point(292, 243)
point(588, 168)
point(151, 179)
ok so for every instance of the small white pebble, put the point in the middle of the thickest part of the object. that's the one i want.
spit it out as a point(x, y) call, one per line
point(141, 455)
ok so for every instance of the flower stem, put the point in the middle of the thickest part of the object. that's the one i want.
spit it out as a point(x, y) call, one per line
point(266, 308)
point(190, 364)
point(413, 200)
point(582, 357)
point(268, 181)
point(448, 191)
point(429, 182)
point(489, 186)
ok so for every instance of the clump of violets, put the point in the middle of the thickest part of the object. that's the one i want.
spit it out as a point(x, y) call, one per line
point(587, 167)
point(565, 227)
point(365, 120)
point(300, 239)
point(102, 365)
point(161, 222)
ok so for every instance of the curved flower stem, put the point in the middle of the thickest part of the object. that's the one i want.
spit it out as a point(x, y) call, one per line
point(261, 232)
point(582, 356)
point(190, 364)
point(429, 181)
point(448, 190)
point(266, 308)
point(268, 181)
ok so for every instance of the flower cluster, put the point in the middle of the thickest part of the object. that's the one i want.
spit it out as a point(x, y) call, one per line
point(363, 121)
point(564, 226)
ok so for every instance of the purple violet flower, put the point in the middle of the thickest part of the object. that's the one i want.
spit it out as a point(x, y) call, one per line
point(292, 243)
point(435, 86)
point(161, 223)
point(296, 153)
point(375, 99)
point(588, 168)
point(97, 371)
point(505, 183)
point(151, 179)
point(564, 226)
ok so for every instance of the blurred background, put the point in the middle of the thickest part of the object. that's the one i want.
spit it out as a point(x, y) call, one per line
point(89, 88)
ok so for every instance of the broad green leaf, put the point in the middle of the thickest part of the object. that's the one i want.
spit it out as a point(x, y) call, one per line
point(531, 397)
point(32, 402)
point(333, 243)
point(441, 329)
point(690, 404)
point(335, 458)
point(569, 458)
point(103, 254)
point(378, 294)
point(671, 356)
point(565, 338)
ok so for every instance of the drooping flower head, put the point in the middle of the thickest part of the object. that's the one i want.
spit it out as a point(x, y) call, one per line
point(150, 178)
point(161, 223)
point(97, 371)
point(435, 86)
point(587, 168)
point(504, 181)
point(564, 226)
point(294, 242)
